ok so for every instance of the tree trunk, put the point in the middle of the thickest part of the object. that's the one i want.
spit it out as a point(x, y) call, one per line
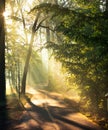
point(2, 55)
point(23, 86)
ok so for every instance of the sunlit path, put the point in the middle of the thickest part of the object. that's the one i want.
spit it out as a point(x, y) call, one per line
point(43, 110)
point(40, 98)
point(45, 106)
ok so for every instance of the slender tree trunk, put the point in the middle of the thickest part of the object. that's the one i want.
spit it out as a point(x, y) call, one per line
point(23, 86)
point(2, 54)
point(48, 40)
point(34, 29)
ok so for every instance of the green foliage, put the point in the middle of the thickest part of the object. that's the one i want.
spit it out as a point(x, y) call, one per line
point(83, 51)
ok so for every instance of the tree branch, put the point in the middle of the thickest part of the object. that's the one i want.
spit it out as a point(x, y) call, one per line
point(40, 23)
point(47, 27)
point(35, 22)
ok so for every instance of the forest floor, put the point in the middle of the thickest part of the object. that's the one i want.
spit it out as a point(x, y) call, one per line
point(44, 111)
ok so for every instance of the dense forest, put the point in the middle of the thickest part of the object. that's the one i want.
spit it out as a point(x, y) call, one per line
point(60, 46)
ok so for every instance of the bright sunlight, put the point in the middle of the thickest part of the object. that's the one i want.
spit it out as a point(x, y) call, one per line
point(6, 14)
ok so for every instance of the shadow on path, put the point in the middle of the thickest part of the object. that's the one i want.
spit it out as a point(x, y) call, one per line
point(55, 114)
point(29, 116)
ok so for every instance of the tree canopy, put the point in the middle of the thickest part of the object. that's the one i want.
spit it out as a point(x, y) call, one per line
point(82, 46)
point(76, 32)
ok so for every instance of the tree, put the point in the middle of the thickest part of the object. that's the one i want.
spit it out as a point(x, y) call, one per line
point(83, 48)
point(35, 27)
point(90, 63)
point(38, 23)
point(2, 54)
point(17, 40)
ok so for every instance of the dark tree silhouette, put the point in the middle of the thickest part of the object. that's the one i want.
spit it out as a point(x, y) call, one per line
point(2, 54)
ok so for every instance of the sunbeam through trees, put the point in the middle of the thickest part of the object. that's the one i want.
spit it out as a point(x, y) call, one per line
point(55, 49)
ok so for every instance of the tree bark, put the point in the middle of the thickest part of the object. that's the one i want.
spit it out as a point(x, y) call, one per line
point(34, 29)
point(2, 55)
point(23, 86)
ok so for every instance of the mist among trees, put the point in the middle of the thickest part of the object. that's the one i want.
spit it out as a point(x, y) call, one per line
point(59, 46)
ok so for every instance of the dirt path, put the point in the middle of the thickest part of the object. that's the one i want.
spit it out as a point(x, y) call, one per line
point(44, 111)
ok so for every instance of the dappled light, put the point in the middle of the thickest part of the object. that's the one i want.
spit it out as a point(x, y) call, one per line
point(54, 65)
point(30, 124)
point(41, 98)
point(8, 88)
